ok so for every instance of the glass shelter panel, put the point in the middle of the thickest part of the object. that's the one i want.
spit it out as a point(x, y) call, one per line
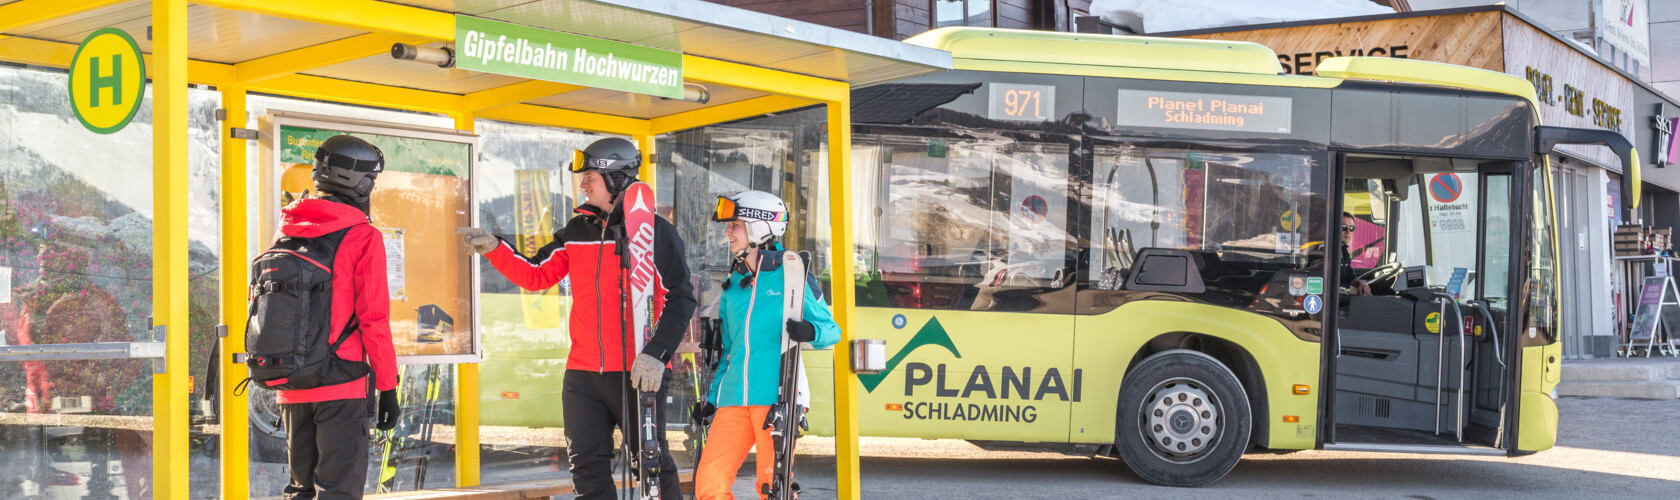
point(76, 267)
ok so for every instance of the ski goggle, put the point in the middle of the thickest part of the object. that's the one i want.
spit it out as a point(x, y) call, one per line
point(727, 210)
point(580, 162)
point(583, 163)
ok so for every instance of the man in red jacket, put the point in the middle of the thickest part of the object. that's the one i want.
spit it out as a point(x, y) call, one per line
point(327, 427)
point(594, 397)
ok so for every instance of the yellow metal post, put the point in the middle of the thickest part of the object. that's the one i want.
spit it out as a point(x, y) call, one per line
point(169, 245)
point(644, 143)
point(845, 297)
point(466, 392)
point(235, 409)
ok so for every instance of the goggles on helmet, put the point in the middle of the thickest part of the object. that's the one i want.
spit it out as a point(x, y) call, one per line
point(582, 162)
point(727, 210)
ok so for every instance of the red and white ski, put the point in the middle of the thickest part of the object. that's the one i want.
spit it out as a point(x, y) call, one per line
point(638, 204)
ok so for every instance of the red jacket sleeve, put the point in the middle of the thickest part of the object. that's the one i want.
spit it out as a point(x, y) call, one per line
point(373, 310)
point(536, 273)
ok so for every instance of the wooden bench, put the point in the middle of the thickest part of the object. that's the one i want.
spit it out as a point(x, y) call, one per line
point(529, 489)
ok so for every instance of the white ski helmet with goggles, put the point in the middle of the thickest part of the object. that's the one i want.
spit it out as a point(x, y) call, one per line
point(764, 215)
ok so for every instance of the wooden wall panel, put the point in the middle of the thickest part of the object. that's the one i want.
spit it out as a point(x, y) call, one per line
point(1604, 98)
point(1016, 14)
point(843, 14)
point(1466, 39)
point(910, 18)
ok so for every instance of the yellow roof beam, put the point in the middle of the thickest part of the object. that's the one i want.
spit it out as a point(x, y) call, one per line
point(29, 12)
point(567, 119)
point(58, 55)
point(362, 15)
point(366, 94)
point(514, 94)
point(723, 113)
point(707, 70)
point(319, 56)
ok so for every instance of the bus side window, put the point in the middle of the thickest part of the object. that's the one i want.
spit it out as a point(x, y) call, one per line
point(1249, 210)
point(958, 218)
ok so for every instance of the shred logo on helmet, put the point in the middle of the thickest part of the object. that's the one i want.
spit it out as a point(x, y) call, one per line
point(763, 215)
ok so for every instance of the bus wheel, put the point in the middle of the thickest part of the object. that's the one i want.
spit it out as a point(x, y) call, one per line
point(1183, 419)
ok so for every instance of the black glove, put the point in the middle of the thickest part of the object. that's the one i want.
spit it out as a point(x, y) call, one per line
point(388, 410)
point(801, 330)
point(702, 413)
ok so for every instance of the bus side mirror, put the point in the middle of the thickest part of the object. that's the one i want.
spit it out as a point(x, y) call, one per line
point(1546, 138)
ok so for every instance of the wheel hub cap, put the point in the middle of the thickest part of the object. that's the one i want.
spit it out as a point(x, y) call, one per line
point(1180, 420)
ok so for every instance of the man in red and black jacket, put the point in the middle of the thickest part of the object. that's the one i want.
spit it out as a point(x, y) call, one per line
point(327, 427)
point(586, 249)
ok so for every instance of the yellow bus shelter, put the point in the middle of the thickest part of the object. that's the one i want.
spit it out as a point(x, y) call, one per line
point(340, 51)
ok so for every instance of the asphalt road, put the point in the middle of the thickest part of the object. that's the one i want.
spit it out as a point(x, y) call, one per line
point(1607, 448)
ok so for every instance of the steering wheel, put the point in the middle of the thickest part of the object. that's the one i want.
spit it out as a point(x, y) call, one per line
point(1382, 273)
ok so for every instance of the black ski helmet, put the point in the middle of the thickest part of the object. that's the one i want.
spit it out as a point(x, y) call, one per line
point(618, 160)
point(345, 167)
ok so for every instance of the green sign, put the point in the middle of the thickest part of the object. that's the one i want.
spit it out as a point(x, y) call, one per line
point(511, 49)
point(402, 154)
point(1315, 286)
point(107, 80)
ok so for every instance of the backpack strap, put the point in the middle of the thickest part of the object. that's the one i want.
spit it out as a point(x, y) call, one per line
point(349, 327)
point(333, 239)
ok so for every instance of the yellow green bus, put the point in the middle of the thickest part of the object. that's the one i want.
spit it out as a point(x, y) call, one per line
point(1134, 246)
point(1137, 246)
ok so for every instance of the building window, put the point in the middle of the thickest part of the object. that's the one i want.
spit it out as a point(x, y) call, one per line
point(962, 13)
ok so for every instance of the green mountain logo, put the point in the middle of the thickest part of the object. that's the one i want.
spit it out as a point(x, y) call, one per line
point(931, 333)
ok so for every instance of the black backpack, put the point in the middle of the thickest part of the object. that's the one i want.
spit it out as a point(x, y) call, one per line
point(286, 338)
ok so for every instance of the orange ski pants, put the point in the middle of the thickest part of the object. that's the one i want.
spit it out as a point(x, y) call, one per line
point(734, 431)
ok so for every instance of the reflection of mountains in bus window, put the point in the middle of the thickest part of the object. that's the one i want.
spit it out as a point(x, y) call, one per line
point(962, 210)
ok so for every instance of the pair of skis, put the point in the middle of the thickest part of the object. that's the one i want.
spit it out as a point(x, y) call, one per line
point(638, 206)
point(787, 417)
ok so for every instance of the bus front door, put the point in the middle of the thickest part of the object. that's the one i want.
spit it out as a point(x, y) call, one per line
point(1420, 361)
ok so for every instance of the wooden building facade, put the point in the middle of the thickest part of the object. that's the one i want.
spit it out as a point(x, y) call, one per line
point(900, 19)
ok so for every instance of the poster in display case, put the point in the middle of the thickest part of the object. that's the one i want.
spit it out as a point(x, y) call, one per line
point(424, 193)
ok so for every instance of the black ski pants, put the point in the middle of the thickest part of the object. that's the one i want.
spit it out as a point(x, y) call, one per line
point(594, 403)
point(327, 448)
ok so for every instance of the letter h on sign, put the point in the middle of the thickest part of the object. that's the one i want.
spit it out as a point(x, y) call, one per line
point(112, 81)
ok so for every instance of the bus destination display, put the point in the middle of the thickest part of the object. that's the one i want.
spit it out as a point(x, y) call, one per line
point(1245, 113)
point(1021, 102)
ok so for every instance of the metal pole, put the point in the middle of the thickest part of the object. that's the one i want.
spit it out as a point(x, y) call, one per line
point(1440, 365)
point(466, 393)
point(846, 465)
point(235, 411)
point(169, 245)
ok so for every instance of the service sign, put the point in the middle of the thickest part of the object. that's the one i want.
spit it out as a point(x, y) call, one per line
point(1240, 113)
point(524, 51)
point(107, 80)
point(1021, 102)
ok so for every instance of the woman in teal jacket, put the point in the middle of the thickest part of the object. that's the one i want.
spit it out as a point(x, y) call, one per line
point(748, 379)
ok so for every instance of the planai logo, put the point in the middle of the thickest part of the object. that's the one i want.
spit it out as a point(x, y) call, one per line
point(978, 400)
point(931, 333)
